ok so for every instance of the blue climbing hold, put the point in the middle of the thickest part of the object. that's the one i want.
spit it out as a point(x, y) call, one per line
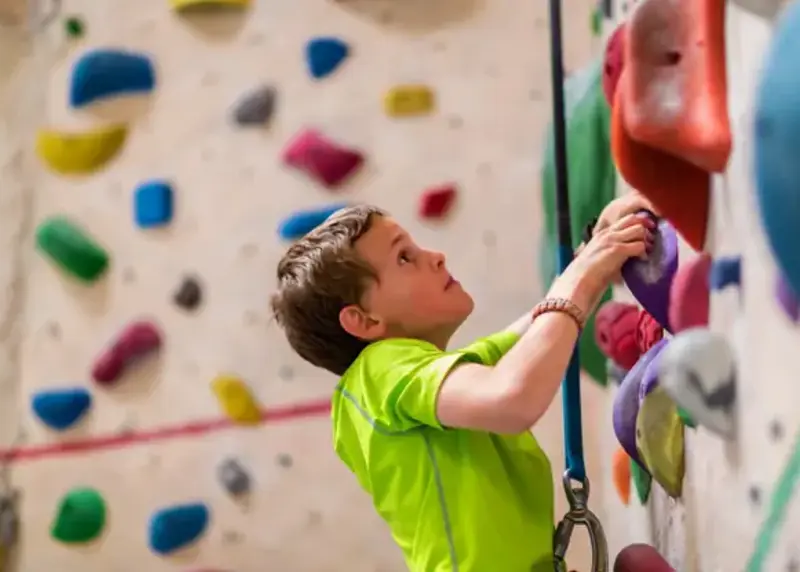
point(302, 222)
point(323, 56)
point(153, 204)
point(100, 74)
point(777, 138)
point(174, 527)
point(725, 272)
point(60, 409)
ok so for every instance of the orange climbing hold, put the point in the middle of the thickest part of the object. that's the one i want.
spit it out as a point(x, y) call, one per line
point(676, 100)
point(613, 62)
point(621, 474)
point(679, 190)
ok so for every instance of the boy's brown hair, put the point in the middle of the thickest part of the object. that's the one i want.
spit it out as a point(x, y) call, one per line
point(319, 275)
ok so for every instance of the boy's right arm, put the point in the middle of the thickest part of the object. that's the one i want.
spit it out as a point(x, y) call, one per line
point(511, 396)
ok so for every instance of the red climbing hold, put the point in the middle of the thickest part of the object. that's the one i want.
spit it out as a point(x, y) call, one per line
point(648, 331)
point(134, 342)
point(326, 162)
point(679, 190)
point(689, 296)
point(613, 62)
point(615, 332)
point(437, 201)
point(641, 558)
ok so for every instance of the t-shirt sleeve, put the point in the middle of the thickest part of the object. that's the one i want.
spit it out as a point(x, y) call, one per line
point(491, 348)
point(398, 382)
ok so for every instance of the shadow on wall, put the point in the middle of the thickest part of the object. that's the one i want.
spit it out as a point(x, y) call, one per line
point(413, 15)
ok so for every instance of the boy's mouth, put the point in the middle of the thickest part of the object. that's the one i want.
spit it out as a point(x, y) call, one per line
point(450, 282)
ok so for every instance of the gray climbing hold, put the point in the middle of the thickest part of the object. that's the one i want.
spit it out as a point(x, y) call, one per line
point(698, 370)
point(189, 295)
point(233, 477)
point(256, 107)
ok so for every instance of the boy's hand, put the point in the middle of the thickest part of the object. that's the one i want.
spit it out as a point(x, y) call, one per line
point(601, 259)
point(629, 204)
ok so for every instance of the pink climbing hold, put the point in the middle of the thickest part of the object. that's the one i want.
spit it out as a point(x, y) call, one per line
point(437, 201)
point(615, 332)
point(648, 331)
point(641, 558)
point(613, 62)
point(326, 162)
point(689, 294)
point(134, 342)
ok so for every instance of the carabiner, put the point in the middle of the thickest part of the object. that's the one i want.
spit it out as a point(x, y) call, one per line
point(579, 514)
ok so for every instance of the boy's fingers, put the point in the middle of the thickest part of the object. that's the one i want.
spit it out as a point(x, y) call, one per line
point(633, 219)
point(632, 233)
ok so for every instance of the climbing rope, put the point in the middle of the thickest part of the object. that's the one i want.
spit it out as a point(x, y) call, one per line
point(576, 484)
point(9, 511)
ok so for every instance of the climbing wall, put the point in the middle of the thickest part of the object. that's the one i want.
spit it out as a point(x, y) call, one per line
point(154, 416)
point(735, 509)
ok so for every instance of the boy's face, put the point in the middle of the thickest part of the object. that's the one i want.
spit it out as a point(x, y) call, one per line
point(415, 296)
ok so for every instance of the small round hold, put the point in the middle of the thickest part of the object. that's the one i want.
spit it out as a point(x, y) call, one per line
point(233, 477)
point(189, 295)
point(74, 27)
point(285, 460)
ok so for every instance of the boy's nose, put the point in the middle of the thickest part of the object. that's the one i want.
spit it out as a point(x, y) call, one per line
point(437, 259)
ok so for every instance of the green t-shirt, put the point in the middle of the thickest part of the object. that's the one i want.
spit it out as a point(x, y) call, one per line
point(455, 500)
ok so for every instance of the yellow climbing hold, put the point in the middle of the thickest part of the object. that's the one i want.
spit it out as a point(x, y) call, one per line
point(409, 100)
point(80, 153)
point(236, 399)
point(192, 4)
point(659, 438)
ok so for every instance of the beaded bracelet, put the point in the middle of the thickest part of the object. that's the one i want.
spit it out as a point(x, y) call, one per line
point(562, 305)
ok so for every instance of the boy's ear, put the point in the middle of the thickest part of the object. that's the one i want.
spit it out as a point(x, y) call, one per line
point(360, 324)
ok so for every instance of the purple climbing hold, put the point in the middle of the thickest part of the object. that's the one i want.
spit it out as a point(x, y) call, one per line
point(787, 299)
point(650, 280)
point(650, 376)
point(626, 404)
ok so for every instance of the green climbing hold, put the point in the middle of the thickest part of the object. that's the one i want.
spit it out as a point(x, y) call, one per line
point(71, 248)
point(74, 27)
point(686, 418)
point(597, 22)
point(642, 481)
point(81, 517)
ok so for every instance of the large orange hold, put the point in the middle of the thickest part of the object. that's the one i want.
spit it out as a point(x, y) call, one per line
point(676, 99)
point(613, 62)
point(621, 475)
point(679, 190)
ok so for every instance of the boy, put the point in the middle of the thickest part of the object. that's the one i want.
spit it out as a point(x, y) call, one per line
point(440, 439)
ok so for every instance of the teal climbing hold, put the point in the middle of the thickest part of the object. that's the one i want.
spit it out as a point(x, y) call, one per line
point(302, 222)
point(100, 74)
point(175, 527)
point(153, 204)
point(60, 409)
point(324, 55)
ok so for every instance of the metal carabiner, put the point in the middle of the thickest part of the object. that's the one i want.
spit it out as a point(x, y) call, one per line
point(579, 514)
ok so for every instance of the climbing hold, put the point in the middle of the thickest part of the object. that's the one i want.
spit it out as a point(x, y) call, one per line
point(621, 475)
point(641, 558)
point(777, 136)
point(153, 204)
point(326, 162)
point(676, 96)
point(787, 299)
point(324, 55)
point(642, 481)
point(648, 331)
point(175, 527)
point(613, 61)
point(256, 107)
point(596, 23)
point(615, 332)
point(135, 342)
point(650, 376)
point(80, 518)
point(71, 249)
point(686, 418)
point(616, 372)
point(236, 399)
point(678, 190)
point(436, 202)
point(74, 27)
point(725, 272)
point(80, 153)
point(199, 5)
point(650, 280)
point(659, 437)
point(302, 222)
point(698, 370)
point(409, 100)
point(626, 403)
point(60, 409)
point(233, 477)
point(689, 296)
point(102, 73)
point(189, 295)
